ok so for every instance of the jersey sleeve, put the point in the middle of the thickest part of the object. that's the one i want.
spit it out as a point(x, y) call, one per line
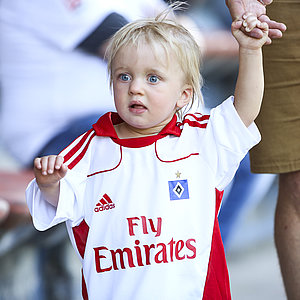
point(226, 141)
point(45, 215)
point(72, 187)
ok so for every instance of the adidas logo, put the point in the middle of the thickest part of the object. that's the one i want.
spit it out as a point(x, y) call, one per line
point(104, 203)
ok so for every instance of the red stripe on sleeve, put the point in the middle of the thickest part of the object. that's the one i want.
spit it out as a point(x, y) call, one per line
point(77, 146)
point(81, 154)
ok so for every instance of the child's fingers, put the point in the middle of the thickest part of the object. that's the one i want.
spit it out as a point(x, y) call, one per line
point(60, 166)
point(59, 162)
point(37, 163)
point(63, 170)
point(51, 163)
point(46, 165)
point(263, 26)
point(250, 21)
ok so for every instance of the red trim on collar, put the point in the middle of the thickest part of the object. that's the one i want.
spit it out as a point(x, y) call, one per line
point(105, 127)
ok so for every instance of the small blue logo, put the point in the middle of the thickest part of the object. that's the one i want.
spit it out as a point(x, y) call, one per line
point(179, 189)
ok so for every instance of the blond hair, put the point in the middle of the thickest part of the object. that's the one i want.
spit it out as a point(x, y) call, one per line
point(167, 33)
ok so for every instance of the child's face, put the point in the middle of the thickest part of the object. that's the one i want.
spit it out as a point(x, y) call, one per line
point(147, 89)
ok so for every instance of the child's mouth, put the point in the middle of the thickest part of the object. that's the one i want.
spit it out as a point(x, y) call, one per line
point(137, 108)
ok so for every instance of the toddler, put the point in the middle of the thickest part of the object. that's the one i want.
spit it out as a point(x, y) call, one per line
point(141, 190)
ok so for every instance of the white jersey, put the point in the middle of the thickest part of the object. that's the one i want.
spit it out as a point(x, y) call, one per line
point(142, 213)
point(45, 81)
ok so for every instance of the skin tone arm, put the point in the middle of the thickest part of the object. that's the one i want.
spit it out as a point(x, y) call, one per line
point(258, 8)
point(250, 82)
point(48, 171)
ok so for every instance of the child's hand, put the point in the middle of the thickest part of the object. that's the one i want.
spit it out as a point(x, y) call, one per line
point(249, 22)
point(49, 170)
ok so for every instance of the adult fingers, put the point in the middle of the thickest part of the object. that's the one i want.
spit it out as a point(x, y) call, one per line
point(275, 28)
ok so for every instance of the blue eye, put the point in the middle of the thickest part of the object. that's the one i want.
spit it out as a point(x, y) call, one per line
point(124, 77)
point(153, 79)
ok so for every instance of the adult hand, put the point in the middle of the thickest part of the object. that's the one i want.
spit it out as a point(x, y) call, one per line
point(238, 8)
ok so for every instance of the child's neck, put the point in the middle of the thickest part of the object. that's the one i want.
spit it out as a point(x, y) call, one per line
point(125, 131)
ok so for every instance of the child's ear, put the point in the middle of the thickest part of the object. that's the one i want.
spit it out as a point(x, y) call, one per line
point(186, 96)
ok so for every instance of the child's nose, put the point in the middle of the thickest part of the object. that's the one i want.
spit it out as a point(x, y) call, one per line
point(136, 87)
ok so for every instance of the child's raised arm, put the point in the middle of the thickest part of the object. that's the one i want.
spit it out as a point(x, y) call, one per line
point(49, 170)
point(250, 82)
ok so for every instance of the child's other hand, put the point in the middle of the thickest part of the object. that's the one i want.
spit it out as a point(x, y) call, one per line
point(49, 170)
point(248, 23)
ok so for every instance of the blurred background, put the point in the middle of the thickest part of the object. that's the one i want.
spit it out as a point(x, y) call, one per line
point(53, 87)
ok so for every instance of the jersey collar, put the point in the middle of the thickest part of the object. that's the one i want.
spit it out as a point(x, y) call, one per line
point(105, 127)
